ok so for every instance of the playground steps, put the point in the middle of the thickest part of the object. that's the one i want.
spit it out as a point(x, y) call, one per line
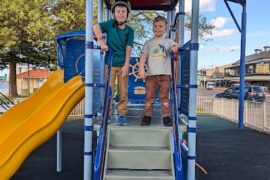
point(139, 153)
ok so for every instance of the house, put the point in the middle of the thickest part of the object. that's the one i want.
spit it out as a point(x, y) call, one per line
point(30, 81)
point(256, 68)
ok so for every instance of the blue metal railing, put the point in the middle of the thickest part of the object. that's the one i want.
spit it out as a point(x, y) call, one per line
point(102, 139)
point(177, 149)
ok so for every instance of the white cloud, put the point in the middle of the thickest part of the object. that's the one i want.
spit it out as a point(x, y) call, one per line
point(221, 33)
point(205, 5)
point(222, 48)
point(219, 22)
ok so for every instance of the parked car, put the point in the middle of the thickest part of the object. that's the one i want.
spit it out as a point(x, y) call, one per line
point(252, 93)
point(210, 85)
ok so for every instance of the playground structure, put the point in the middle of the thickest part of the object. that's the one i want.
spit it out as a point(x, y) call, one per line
point(64, 89)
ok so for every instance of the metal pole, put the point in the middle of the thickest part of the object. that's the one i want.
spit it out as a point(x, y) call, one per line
point(88, 117)
point(193, 91)
point(242, 68)
point(181, 33)
point(169, 19)
point(59, 142)
point(101, 63)
point(59, 151)
point(172, 16)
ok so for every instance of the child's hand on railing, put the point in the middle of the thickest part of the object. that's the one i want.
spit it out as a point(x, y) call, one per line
point(174, 47)
point(104, 47)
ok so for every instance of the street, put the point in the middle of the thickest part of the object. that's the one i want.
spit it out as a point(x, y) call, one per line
point(203, 92)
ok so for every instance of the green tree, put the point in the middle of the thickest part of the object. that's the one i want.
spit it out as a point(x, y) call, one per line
point(28, 29)
point(25, 35)
point(69, 15)
point(205, 28)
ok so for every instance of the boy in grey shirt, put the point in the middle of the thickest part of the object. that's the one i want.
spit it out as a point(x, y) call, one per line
point(156, 52)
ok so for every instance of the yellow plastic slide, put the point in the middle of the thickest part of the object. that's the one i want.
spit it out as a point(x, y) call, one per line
point(32, 122)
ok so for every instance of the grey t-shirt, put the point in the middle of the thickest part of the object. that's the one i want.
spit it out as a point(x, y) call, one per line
point(158, 56)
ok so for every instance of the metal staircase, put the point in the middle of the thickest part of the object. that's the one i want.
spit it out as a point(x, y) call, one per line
point(144, 153)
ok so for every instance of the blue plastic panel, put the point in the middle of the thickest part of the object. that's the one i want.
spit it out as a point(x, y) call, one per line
point(72, 54)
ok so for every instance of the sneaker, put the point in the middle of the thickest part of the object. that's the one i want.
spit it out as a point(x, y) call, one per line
point(146, 120)
point(122, 121)
point(167, 121)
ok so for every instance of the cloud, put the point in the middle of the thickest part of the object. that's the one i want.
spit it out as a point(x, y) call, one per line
point(221, 33)
point(221, 48)
point(219, 22)
point(205, 5)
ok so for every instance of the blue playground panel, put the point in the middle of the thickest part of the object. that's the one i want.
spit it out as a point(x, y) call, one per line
point(71, 57)
point(136, 86)
point(185, 75)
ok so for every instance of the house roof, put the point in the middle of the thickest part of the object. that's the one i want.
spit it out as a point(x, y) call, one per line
point(254, 58)
point(35, 74)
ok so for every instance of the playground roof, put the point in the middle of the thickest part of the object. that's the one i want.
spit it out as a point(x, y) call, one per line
point(149, 5)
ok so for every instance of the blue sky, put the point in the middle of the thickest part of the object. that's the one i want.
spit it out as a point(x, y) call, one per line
point(225, 46)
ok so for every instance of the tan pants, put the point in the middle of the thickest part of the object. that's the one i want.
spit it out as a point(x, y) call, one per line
point(122, 88)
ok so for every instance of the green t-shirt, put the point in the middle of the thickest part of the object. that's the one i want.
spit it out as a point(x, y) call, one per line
point(117, 40)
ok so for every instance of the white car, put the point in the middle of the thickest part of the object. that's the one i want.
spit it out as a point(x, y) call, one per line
point(210, 85)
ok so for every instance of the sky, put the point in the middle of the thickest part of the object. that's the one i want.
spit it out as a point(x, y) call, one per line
point(225, 46)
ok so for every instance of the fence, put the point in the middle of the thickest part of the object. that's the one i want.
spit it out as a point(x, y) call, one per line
point(256, 114)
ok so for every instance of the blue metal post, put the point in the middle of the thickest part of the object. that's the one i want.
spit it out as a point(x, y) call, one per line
point(88, 119)
point(242, 68)
point(181, 34)
point(192, 124)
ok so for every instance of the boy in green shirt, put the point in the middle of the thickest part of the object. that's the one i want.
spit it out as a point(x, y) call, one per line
point(120, 38)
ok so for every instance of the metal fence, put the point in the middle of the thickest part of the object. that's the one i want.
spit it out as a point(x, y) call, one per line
point(257, 115)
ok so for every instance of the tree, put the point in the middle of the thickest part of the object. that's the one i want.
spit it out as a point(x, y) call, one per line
point(25, 35)
point(69, 15)
point(28, 29)
point(205, 28)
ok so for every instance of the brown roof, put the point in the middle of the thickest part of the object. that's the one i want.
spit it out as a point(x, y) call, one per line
point(253, 58)
point(37, 73)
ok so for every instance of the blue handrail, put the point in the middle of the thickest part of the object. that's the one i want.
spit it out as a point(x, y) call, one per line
point(102, 139)
point(177, 149)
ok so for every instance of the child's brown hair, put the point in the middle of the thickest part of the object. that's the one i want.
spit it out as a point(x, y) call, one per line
point(160, 18)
